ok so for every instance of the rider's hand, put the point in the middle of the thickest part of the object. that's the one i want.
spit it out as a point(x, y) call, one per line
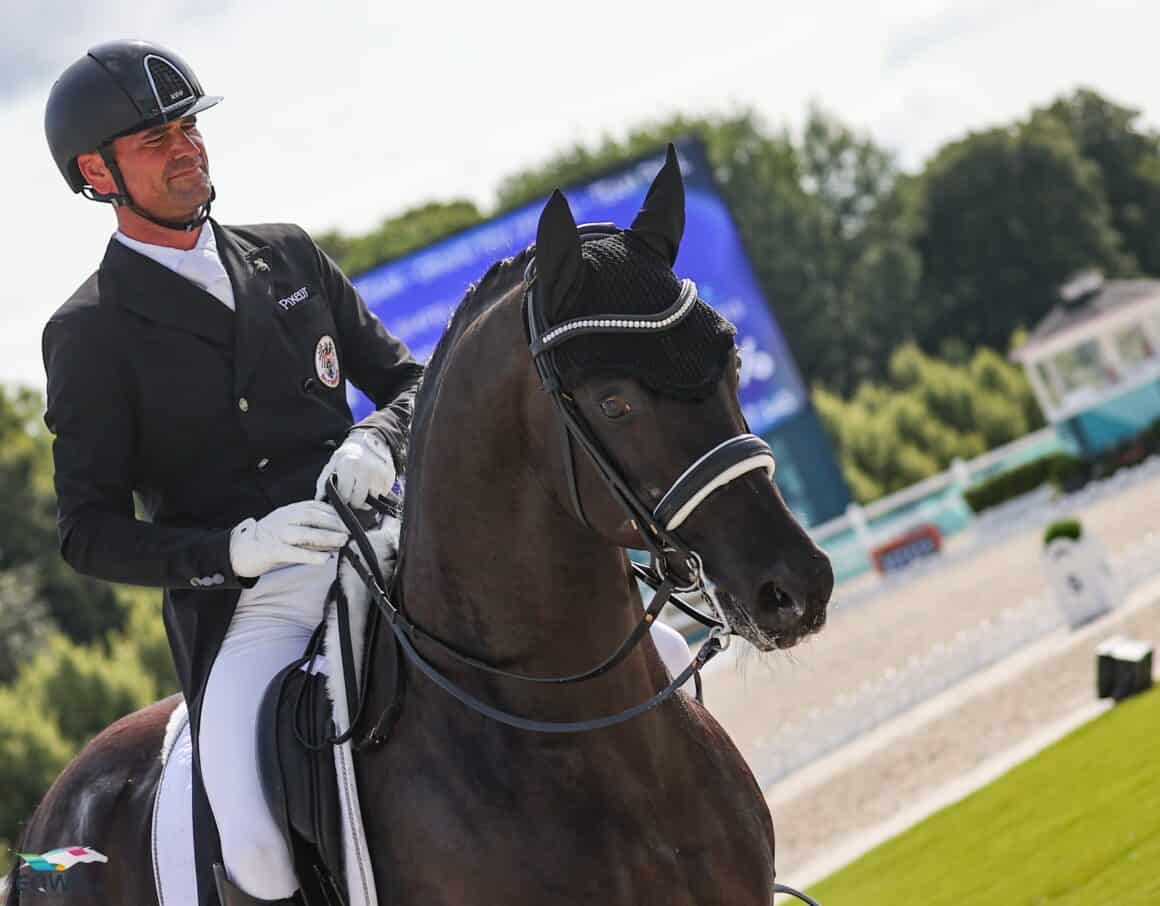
point(363, 467)
point(303, 532)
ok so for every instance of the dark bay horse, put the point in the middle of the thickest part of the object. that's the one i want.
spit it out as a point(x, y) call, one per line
point(513, 549)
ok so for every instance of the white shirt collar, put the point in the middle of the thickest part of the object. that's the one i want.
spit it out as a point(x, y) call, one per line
point(201, 264)
point(166, 255)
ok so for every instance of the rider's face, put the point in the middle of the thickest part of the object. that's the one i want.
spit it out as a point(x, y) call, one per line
point(166, 169)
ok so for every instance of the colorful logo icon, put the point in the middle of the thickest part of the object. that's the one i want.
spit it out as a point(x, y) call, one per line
point(61, 859)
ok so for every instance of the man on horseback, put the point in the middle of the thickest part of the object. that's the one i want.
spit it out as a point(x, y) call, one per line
point(203, 368)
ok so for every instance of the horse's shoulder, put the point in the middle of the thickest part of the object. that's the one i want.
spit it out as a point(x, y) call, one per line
point(723, 752)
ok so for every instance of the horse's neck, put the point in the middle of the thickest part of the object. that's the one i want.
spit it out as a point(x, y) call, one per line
point(514, 578)
point(496, 564)
point(510, 585)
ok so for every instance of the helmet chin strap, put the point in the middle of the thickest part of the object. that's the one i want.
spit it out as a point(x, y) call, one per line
point(122, 198)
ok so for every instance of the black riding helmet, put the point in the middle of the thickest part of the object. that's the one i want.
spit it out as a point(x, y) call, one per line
point(113, 90)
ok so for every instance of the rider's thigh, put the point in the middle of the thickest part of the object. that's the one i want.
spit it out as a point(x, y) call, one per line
point(271, 626)
point(253, 849)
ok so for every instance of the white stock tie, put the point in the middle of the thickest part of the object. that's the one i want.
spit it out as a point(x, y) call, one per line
point(203, 266)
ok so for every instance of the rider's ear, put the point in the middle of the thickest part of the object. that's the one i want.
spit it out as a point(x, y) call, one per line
point(661, 221)
point(558, 260)
point(95, 173)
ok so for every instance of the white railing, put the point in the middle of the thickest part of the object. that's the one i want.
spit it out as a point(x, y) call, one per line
point(961, 473)
point(996, 525)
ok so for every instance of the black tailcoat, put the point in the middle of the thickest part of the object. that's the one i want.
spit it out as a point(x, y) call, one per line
point(211, 416)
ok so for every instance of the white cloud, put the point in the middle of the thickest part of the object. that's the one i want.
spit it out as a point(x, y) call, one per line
point(339, 118)
point(42, 38)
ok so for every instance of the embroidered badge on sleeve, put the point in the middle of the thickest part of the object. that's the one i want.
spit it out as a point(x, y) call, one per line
point(326, 362)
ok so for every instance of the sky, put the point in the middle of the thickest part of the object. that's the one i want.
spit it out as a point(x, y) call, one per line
point(339, 114)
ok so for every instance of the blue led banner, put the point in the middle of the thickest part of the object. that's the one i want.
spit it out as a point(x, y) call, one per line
point(415, 295)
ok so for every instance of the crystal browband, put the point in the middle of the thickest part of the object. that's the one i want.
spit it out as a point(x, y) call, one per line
point(608, 324)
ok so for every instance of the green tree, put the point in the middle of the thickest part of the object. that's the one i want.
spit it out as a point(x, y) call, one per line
point(400, 234)
point(1006, 216)
point(26, 476)
point(67, 693)
point(32, 752)
point(24, 620)
point(82, 608)
point(143, 639)
point(1128, 157)
point(869, 268)
point(930, 412)
point(83, 688)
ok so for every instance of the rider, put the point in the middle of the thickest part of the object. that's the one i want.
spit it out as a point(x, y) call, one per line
point(203, 367)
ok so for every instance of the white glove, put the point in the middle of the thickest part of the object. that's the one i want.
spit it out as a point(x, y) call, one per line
point(303, 532)
point(363, 467)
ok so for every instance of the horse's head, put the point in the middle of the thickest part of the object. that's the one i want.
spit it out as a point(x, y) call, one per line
point(649, 374)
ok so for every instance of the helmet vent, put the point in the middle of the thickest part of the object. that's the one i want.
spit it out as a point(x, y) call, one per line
point(170, 87)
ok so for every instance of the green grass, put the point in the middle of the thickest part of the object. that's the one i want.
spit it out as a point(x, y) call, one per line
point(1077, 824)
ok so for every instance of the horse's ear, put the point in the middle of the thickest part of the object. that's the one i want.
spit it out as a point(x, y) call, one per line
point(661, 221)
point(558, 259)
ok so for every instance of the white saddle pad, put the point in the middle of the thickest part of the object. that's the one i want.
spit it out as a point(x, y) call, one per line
point(172, 837)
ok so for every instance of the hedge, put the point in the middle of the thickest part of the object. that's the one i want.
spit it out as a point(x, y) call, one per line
point(1061, 469)
point(1063, 528)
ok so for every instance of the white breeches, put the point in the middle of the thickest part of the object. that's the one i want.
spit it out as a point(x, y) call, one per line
point(271, 626)
point(673, 649)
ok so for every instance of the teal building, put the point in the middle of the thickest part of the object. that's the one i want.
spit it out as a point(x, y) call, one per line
point(1094, 361)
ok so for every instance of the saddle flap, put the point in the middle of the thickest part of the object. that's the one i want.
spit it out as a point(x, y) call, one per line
point(299, 782)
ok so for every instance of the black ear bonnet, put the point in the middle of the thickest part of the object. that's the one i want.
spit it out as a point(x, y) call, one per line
point(621, 275)
point(607, 302)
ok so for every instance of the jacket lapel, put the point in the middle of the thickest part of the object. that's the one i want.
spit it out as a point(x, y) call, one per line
point(250, 268)
point(153, 291)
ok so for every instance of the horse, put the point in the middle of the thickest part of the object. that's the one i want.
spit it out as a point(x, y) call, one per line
point(576, 382)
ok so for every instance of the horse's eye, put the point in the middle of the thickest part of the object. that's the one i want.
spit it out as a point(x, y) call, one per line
point(615, 407)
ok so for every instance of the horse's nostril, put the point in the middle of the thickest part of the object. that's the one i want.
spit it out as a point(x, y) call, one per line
point(772, 597)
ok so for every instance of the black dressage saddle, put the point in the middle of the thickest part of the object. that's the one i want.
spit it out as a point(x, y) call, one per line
point(296, 758)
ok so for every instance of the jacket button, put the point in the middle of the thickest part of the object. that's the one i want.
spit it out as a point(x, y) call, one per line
point(309, 384)
point(244, 404)
point(262, 463)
